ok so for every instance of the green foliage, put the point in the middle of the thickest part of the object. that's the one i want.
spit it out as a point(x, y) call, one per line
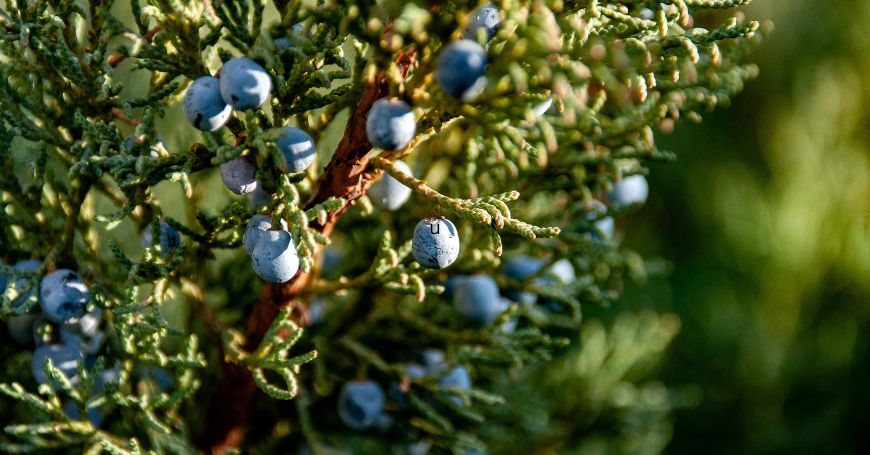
point(81, 78)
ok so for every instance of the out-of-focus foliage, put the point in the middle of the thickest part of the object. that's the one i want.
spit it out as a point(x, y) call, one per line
point(766, 216)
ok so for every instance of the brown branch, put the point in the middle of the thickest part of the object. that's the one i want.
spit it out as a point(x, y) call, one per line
point(345, 177)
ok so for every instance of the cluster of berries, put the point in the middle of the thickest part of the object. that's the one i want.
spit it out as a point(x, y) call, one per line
point(208, 103)
point(62, 329)
point(361, 404)
point(391, 126)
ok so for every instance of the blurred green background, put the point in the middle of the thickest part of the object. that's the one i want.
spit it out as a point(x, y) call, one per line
point(765, 219)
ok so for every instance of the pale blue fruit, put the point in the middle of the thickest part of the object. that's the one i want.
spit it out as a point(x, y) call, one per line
point(238, 175)
point(460, 69)
point(203, 105)
point(169, 238)
point(255, 228)
point(244, 84)
point(477, 298)
point(519, 268)
point(487, 18)
point(83, 333)
point(361, 404)
point(388, 193)
point(435, 243)
point(603, 225)
point(452, 282)
point(630, 190)
point(258, 198)
point(274, 257)
point(457, 378)
point(390, 124)
point(65, 358)
point(63, 295)
point(563, 270)
point(297, 149)
point(559, 273)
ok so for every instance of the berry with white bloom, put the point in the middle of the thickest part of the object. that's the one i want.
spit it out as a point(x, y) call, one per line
point(487, 18)
point(64, 358)
point(169, 238)
point(297, 149)
point(387, 193)
point(477, 298)
point(63, 295)
point(436, 243)
point(390, 124)
point(244, 84)
point(629, 190)
point(203, 105)
point(361, 404)
point(460, 70)
point(238, 175)
point(256, 227)
point(274, 256)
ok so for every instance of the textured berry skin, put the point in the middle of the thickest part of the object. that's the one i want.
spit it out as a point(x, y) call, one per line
point(169, 238)
point(436, 243)
point(65, 358)
point(297, 147)
point(486, 17)
point(238, 175)
point(63, 295)
point(256, 227)
point(388, 193)
point(390, 124)
point(460, 69)
point(630, 190)
point(203, 105)
point(477, 298)
point(361, 404)
point(602, 226)
point(274, 257)
point(520, 268)
point(244, 84)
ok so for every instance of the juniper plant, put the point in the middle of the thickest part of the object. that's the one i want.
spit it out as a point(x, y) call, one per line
point(195, 334)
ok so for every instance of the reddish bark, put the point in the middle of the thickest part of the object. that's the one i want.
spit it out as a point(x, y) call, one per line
point(345, 177)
